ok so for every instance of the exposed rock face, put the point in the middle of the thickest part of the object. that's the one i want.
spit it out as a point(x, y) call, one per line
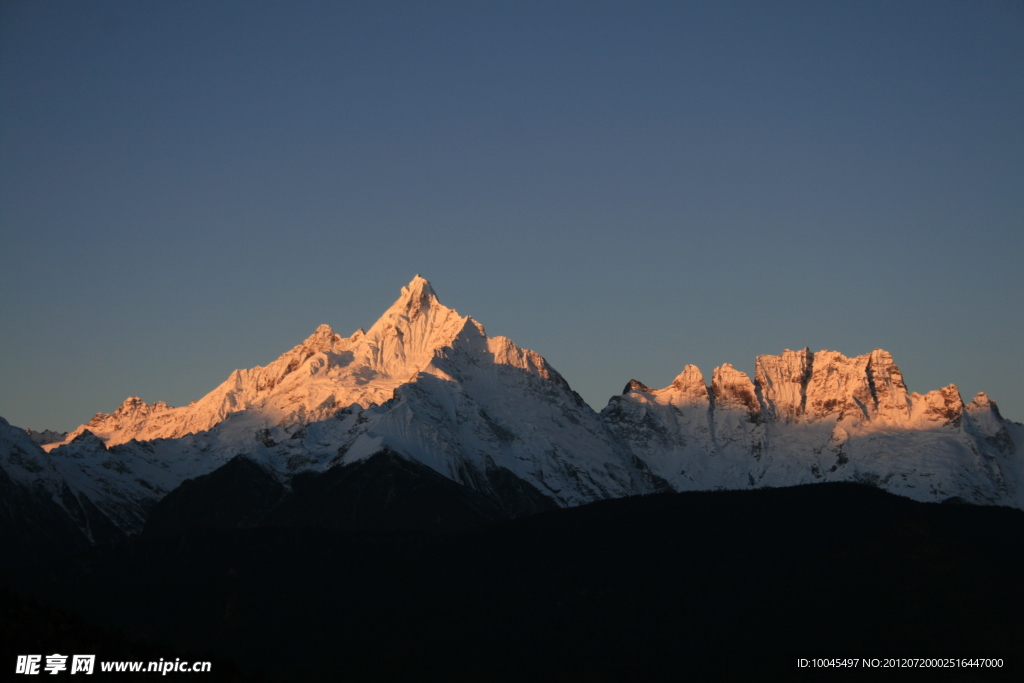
point(733, 391)
point(803, 386)
point(822, 416)
point(784, 384)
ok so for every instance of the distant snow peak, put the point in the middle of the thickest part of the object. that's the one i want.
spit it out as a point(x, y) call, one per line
point(325, 372)
point(864, 392)
point(419, 292)
point(690, 382)
point(133, 406)
point(982, 403)
point(322, 339)
point(428, 384)
point(733, 390)
point(133, 411)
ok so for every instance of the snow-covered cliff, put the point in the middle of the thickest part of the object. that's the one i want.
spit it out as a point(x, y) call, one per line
point(821, 416)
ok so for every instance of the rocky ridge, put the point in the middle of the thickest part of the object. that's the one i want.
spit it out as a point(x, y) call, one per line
point(811, 417)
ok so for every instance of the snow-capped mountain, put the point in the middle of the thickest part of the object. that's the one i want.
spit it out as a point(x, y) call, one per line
point(821, 416)
point(429, 386)
point(309, 383)
point(424, 381)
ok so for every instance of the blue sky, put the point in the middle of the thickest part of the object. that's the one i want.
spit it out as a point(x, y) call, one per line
point(188, 188)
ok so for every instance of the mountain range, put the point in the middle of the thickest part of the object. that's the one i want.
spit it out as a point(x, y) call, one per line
point(425, 421)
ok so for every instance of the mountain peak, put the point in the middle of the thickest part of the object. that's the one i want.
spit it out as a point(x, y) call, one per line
point(419, 281)
point(87, 438)
point(689, 386)
point(322, 339)
point(636, 385)
point(982, 403)
point(416, 297)
point(419, 289)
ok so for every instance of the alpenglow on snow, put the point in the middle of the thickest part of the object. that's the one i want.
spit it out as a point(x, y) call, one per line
point(429, 386)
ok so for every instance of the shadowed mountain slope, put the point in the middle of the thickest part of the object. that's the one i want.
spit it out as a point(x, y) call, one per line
point(706, 584)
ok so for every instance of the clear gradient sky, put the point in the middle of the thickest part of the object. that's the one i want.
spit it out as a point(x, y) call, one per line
point(188, 188)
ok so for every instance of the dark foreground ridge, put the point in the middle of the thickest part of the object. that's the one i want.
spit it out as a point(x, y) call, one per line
point(708, 584)
point(385, 492)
